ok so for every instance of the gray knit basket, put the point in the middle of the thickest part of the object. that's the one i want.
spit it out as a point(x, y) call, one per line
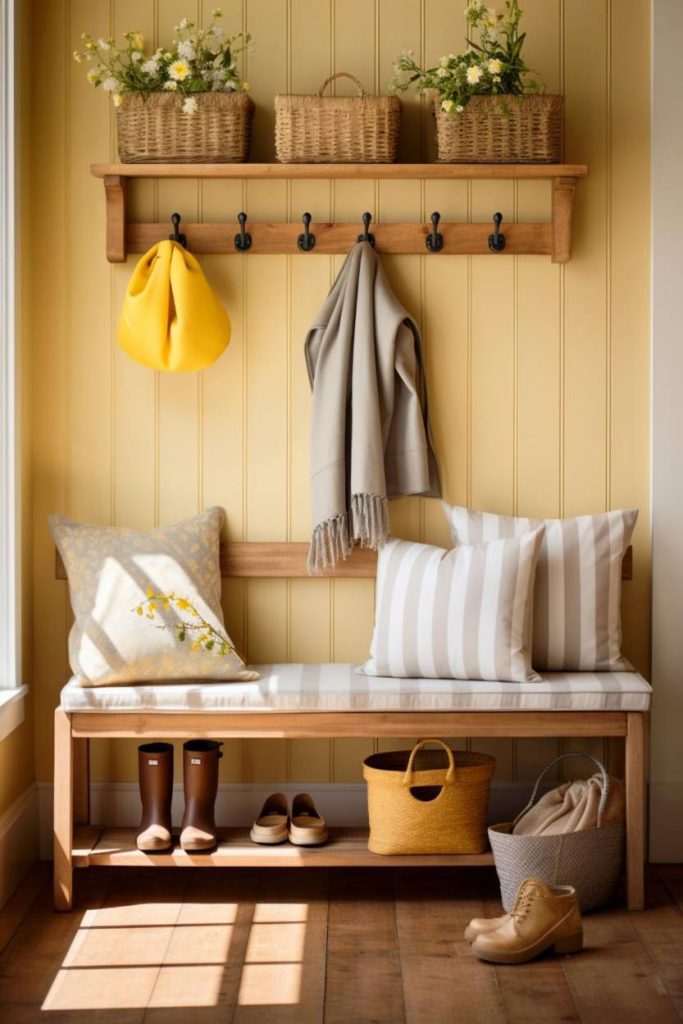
point(590, 860)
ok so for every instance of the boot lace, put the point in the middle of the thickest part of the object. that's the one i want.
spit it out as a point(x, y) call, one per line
point(525, 899)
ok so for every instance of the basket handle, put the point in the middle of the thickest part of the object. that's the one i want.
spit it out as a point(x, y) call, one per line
point(604, 788)
point(343, 74)
point(450, 773)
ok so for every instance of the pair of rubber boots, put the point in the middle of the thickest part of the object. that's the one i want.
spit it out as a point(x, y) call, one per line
point(200, 778)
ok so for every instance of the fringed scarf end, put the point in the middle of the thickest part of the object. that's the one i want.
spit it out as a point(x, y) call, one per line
point(331, 543)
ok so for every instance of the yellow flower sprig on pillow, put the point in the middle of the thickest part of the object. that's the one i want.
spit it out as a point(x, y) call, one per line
point(200, 633)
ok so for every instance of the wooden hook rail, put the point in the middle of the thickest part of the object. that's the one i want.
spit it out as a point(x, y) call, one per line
point(269, 239)
point(553, 238)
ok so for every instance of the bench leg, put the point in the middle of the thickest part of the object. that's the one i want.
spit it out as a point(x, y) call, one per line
point(81, 770)
point(63, 812)
point(635, 811)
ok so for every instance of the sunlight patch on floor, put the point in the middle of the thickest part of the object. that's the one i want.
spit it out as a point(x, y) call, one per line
point(179, 955)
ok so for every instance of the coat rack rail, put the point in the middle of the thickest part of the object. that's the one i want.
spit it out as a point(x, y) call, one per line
point(270, 239)
point(553, 239)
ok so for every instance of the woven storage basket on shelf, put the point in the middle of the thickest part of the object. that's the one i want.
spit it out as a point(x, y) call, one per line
point(502, 130)
point(425, 801)
point(155, 129)
point(337, 129)
point(590, 860)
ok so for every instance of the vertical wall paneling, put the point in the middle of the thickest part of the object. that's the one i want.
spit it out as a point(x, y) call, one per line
point(538, 374)
point(586, 384)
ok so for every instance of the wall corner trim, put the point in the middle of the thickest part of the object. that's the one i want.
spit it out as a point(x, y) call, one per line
point(19, 841)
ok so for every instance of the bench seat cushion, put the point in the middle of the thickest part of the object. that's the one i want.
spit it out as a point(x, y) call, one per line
point(338, 687)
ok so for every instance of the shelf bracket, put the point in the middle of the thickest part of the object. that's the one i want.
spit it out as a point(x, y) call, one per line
point(115, 192)
point(562, 203)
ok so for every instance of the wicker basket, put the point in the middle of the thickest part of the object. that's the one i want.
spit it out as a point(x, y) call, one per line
point(337, 129)
point(502, 130)
point(590, 860)
point(424, 801)
point(155, 129)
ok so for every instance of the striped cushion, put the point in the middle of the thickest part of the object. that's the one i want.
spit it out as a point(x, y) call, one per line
point(577, 601)
point(460, 614)
point(339, 688)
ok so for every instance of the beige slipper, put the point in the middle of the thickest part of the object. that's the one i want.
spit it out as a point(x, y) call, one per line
point(306, 827)
point(271, 825)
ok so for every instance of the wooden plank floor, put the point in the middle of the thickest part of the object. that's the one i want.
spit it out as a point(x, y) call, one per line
point(190, 946)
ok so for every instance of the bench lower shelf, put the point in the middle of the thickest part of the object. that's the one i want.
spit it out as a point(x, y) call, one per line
point(345, 848)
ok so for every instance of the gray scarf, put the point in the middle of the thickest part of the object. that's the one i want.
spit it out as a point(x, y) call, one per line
point(370, 436)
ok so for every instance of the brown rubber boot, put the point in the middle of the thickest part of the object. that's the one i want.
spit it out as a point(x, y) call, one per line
point(155, 767)
point(200, 768)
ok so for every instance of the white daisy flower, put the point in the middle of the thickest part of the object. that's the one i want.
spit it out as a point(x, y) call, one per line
point(494, 66)
point(186, 50)
point(151, 66)
point(170, 86)
point(179, 70)
point(190, 105)
point(447, 106)
point(109, 84)
point(473, 75)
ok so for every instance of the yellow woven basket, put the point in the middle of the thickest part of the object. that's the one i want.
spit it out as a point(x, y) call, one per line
point(427, 801)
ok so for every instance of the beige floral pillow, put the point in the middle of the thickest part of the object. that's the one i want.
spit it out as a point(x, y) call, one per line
point(147, 606)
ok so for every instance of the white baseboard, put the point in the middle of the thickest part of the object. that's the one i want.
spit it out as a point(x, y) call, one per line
point(19, 846)
point(117, 804)
point(666, 822)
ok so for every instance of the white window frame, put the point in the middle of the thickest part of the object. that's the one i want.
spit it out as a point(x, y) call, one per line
point(11, 689)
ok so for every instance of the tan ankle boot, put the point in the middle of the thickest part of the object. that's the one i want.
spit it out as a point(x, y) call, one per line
point(542, 917)
point(483, 925)
point(200, 777)
point(155, 768)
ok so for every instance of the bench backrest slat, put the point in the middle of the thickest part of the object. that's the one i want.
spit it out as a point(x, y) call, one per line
point(287, 559)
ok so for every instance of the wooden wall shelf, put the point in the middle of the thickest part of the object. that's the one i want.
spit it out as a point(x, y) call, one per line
point(554, 238)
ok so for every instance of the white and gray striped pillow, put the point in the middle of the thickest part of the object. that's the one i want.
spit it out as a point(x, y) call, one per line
point(577, 606)
point(460, 614)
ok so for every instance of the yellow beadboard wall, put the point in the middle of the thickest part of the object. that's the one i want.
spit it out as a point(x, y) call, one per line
point(538, 374)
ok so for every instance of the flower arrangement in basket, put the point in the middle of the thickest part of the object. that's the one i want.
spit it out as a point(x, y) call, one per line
point(184, 104)
point(489, 107)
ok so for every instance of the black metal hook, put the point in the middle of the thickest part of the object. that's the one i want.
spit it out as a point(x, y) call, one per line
point(306, 241)
point(176, 236)
point(497, 239)
point(366, 236)
point(434, 239)
point(242, 238)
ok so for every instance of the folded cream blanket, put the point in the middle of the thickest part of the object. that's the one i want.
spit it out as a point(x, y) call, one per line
point(370, 436)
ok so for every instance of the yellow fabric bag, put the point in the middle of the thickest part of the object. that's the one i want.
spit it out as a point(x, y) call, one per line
point(171, 318)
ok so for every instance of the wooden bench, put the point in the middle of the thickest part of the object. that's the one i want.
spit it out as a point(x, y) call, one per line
point(610, 707)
